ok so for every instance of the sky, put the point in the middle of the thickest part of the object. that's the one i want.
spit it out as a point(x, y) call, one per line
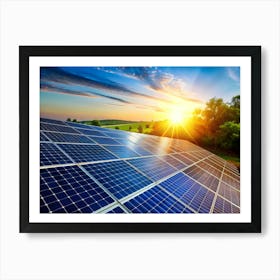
point(132, 93)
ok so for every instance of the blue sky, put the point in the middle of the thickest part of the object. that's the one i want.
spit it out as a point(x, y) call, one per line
point(132, 93)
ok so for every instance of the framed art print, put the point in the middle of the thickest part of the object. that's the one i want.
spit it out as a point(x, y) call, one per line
point(140, 138)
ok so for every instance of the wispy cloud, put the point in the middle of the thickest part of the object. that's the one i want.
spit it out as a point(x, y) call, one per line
point(57, 89)
point(234, 73)
point(58, 75)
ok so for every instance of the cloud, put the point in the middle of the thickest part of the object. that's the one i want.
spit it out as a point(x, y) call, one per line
point(58, 75)
point(50, 88)
point(160, 82)
point(56, 89)
point(234, 73)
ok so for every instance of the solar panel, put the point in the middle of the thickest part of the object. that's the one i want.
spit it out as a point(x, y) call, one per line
point(51, 155)
point(57, 128)
point(67, 138)
point(43, 137)
point(122, 151)
point(186, 160)
point(203, 177)
point(114, 134)
point(189, 192)
point(118, 177)
point(79, 125)
point(173, 161)
point(139, 150)
point(91, 169)
point(153, 167)
point(70, 190)
point(117, 210)
point(86, 153)
point(223, 206)
point(104, 140)
point(52, 121)
point(90, 132)
point(155, 201)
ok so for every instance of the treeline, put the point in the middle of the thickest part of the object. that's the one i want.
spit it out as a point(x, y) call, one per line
point(217, 126)
point(93, 122)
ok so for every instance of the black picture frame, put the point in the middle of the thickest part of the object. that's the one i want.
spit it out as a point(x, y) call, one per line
point(254, 52)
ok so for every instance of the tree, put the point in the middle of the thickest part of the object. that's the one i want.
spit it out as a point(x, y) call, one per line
point(228, 136)
point(218, 124)
point(68, 120)
point(95, 122)
point(147, 125)
point(74, 120)
point(140, 128)
point(216, 113)
point(116, 127)
point(235, 108)
point(130, 127)
point(235, 102)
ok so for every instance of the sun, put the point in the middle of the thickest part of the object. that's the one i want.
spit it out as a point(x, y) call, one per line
point(176, 116)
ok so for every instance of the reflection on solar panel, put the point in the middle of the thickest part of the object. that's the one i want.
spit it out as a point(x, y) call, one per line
point(90, 132)
point(86, 153)
point(90, 169)
point(67, 138)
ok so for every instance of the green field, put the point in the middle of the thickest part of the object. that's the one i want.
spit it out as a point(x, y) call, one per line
point(133, 127)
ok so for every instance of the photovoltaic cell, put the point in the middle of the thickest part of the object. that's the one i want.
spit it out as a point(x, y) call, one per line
point(232, 174)
point(91, 132)
point(231, 181)
point(230, 193)
point(189, 192)
point(216, 172)
point(70, 190)
point(118, 177)
point(223, 206)
point(68, 138)
point(117, 210)
point(122, 151)
point(79, 125)
point(51, 155)
point(202, 177)
point(173, 161)
point(86, 153)
point(43, 137)
point(114, 135)
point(187, 161)
point(139, 150)
point(212, 163)
point(153, 167)
point(155, 200)
point(52, 121)
point(57, 128)
point(104, 140)
point(123, 141)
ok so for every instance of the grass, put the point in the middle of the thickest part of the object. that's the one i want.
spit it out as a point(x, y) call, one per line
point(133, 127)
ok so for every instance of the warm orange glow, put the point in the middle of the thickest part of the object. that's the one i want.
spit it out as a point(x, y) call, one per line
point(177, 114)
point(176, 117)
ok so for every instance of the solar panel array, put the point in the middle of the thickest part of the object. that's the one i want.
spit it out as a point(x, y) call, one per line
point(91, 169)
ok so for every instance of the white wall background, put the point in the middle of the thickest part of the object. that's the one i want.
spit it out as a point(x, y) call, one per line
point(139, 256)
